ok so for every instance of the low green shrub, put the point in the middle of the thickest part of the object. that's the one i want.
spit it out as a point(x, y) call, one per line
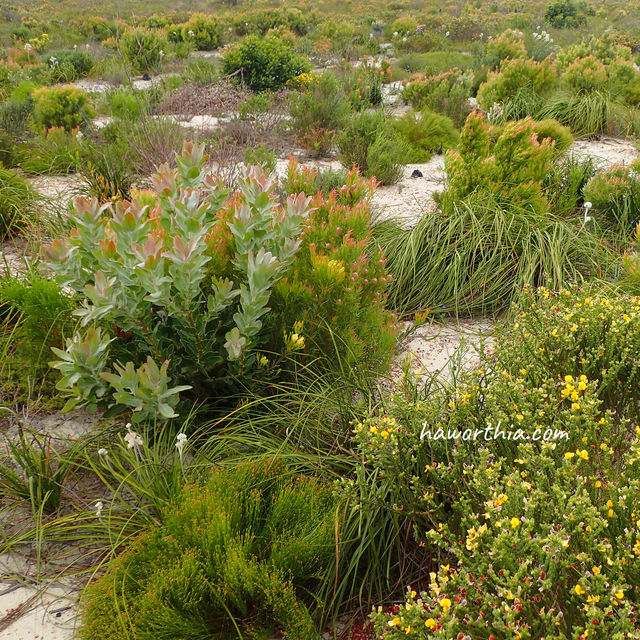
point(553, 130)
point(264, 540)
point(126, 104)
point(143, 49)
point(260, 155)
point(52, 152)
point(61, 106)
point(615, 197)
point(264, 63)
point(39, 316)
point(319, 112)
point(564, 14)
point(200, 71)
point(369, 142)
point(433, 63)
point(515, 75)
point(509, 45)
point(17, 203)
point(585, 74)
point(203, 31)
point(68, 65)
point(426, 133)
point(446, 93)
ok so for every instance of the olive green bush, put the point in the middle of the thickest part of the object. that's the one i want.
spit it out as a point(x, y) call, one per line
point(369, 142)
point(264, 63)
point(61, 106)
point(426, 133)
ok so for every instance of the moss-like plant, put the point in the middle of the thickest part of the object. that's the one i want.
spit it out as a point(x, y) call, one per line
point(238, 555)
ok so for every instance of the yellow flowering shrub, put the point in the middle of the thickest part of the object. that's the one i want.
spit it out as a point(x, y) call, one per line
point(521, 483)
point(576, 332)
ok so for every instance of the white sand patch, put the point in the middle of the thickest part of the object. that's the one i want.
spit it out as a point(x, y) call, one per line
point(443, 349)
point(61, 188)
point(28, 613)
point(411, 197)
point(606, 151)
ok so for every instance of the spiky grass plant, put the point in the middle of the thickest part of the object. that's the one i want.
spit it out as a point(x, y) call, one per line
point(17, 203)
point(588, 113)
point(478, 256)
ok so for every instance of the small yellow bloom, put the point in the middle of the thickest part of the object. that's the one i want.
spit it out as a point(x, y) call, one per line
point(579, 590)
point(568, 455)
point(445, 603)
point(596, 570)
point(515, 523)
point(598, 484)
point(429, 623)
point(395, 622)
point(619, 595)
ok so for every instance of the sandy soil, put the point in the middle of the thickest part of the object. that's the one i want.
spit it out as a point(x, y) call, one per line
point(443, 349)
point(59, 188)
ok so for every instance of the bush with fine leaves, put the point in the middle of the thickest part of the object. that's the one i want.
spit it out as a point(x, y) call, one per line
point(244, 551)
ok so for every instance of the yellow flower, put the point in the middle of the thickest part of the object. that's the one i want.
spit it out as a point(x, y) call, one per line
point(568, 455)
point(445, 603)
point(575, 406)
point(598, 484)
point(385, 434)
point(583, 454)
point(407, 629)
point(619, 595)
point(395, 622)
point(579, 590)
point(429, 623)
point(596, 570)
point(515, 523)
